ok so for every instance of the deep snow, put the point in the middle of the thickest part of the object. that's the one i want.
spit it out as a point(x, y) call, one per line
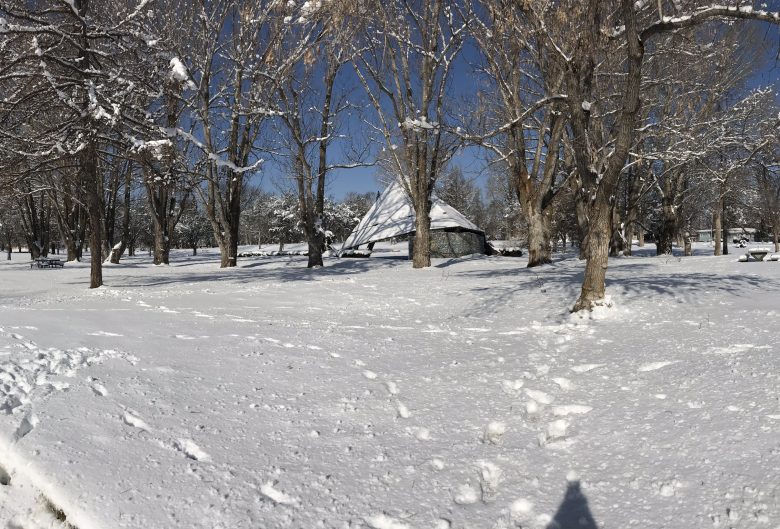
point(368, 394)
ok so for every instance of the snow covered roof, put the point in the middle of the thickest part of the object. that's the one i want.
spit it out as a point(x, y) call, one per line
point(392, 215)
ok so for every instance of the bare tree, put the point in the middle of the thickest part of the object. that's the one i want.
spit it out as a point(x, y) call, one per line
point(584, 38)
point(684, 94)
point(310, 112)
point(404, 64)
point(74, 67)
point(231, 54)
point(526, 125)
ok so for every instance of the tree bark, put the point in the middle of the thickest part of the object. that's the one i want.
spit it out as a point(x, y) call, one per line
point(717, 227)
point(538, 237)
point(421, 250)
point(668, 229)
point(110, 215)
point(315, 252)
point(72, 225)
point(725, 229)
point(596, 255)
point(94, 198)
point(632, 211)
point(116, 254)
point(581, 211)
point(162, 246)
point(616, 240)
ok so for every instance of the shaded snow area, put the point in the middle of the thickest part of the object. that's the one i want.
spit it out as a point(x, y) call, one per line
point(370, 395)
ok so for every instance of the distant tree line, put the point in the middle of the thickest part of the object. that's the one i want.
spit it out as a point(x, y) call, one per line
point(146, 122)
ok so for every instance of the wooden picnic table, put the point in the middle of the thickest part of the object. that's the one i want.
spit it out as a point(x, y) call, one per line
point(47, 262)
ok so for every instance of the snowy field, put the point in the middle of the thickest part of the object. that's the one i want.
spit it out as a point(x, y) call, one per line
point(369, 395)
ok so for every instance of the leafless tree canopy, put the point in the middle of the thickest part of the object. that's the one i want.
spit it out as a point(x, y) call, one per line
point(598, 120)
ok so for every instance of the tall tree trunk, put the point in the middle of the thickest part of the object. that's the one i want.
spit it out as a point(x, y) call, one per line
point(717, 227)
point(776, 233)
point(581, 209)
point(116, 253)
point(725, 224)
point(232, 243)
point(315, 251)
point(668, 227)
point(596, 254)
point(162, 246)
point(616, 240)
point(421, 250)
point(110, 215)
point(632, 211)
point(94, 198)
point(538, 236)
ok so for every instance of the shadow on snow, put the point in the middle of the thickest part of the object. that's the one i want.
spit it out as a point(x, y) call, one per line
point(573, 512)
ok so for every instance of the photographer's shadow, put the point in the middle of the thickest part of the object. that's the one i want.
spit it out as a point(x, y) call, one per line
point(573, 513)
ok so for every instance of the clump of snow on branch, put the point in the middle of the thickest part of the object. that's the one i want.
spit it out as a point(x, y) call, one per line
point(418, 125)
point(179, 74)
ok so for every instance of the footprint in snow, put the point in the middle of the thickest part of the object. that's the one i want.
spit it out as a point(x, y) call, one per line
point(556, 431)
point(570, 409)
point(136, 422)
point(584, 368)
point(96, 387)
point(191, 450)
point(382, 521)
point(494, 433)
point(403, 411)
point(653, 366)
point(420, 433)
point(511, 387)
point(277, 496)
point(564, 383)
point(490, 476)
point(29, 422)
point(539, 396)
point(466, 495)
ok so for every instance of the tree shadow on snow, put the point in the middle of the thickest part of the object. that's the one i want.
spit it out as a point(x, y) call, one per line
point(634, 280)
point(257, 270)
point(573, 512)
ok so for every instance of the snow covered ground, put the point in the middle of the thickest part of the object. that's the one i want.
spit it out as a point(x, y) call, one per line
point(370, 395)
